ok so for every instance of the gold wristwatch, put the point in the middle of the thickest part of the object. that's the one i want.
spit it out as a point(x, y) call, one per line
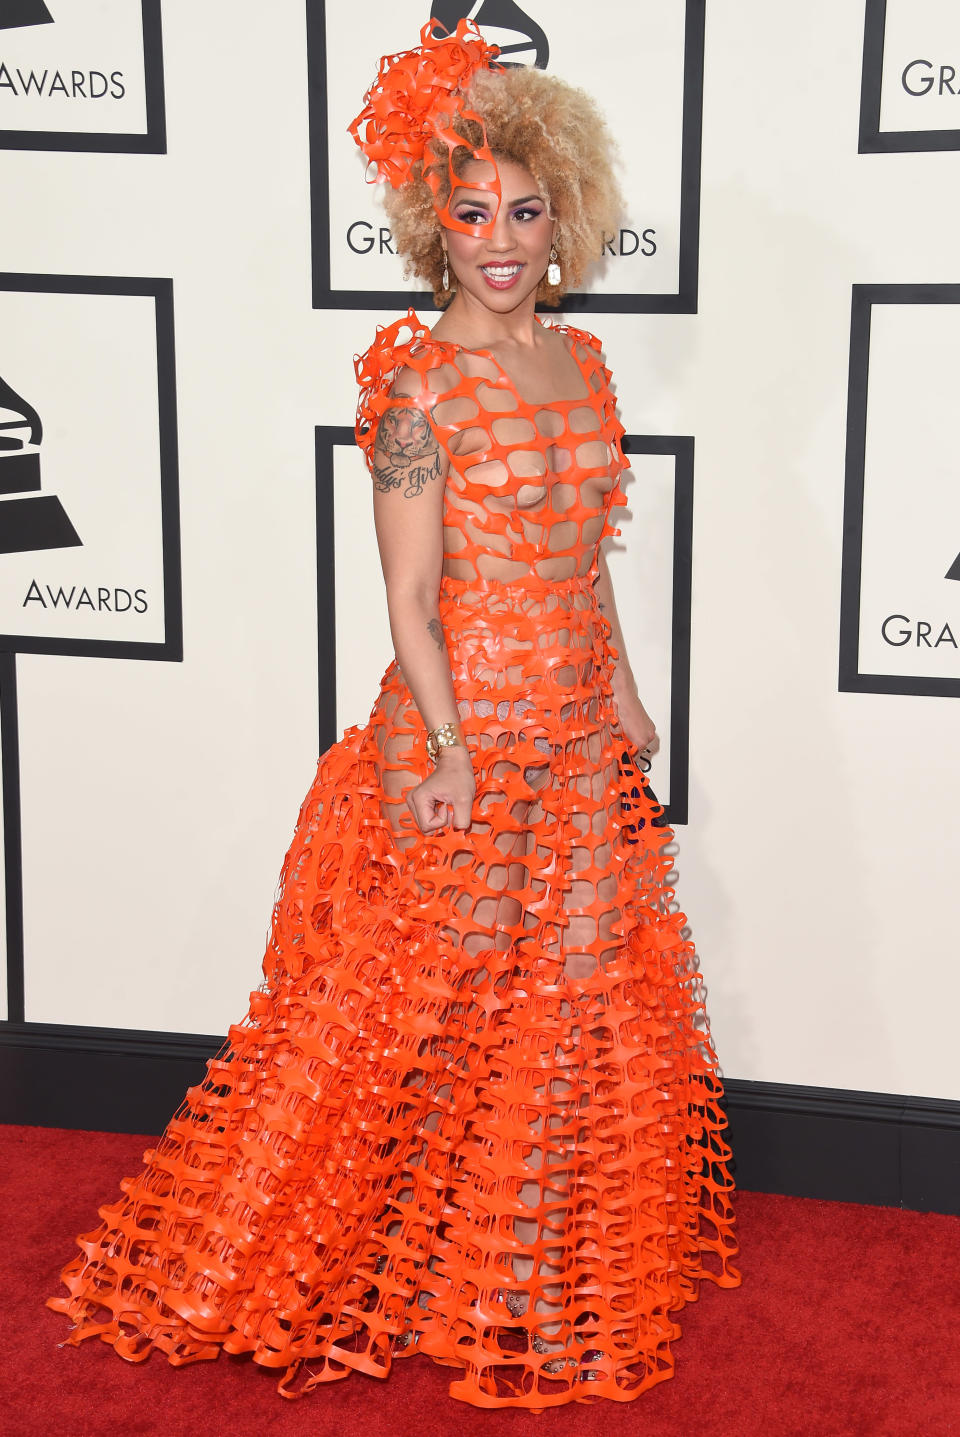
point(445, 736)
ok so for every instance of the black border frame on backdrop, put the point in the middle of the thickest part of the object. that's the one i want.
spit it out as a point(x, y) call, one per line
point(851, 680)
point(170, 649)
point(683, 301)
point(873, 140)
point(331, 437)
point(153, 141)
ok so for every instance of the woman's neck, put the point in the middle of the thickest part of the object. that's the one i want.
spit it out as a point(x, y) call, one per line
point(470, 322)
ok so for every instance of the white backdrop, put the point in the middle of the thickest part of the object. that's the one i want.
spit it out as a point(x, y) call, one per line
point(818, 865)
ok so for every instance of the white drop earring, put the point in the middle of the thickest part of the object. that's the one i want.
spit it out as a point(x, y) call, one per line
point(446, 272)
point(553, 268)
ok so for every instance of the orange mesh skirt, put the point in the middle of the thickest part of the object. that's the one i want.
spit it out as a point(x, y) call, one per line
point(474, 1109)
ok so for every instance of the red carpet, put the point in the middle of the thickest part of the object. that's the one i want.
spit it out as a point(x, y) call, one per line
point(847, 1325)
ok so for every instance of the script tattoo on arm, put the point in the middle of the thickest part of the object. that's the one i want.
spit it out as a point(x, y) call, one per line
point(406, 455)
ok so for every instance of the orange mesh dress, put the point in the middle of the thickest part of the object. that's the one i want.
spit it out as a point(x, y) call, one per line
point(473, 1110)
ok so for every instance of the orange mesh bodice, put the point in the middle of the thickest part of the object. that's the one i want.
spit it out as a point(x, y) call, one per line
point(533, 488)
point(474, 1109)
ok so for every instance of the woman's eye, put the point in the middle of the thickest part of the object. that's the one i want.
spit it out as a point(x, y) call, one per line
point(473, 217)
point(525, 215)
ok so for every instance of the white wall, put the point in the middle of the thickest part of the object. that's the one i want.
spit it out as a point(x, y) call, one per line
point(817, 865)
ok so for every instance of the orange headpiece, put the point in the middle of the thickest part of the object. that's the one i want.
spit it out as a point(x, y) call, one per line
point(415, 99)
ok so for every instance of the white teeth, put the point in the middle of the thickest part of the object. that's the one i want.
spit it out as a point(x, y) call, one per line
point(501, 271)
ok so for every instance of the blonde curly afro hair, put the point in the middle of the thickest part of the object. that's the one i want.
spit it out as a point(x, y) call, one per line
point(557, 133)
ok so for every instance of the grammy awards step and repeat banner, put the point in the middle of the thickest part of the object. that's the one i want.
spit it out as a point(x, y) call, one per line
point(191, 605)
point(651, 85)
point(87, 75)
point(901, 573)
point(89, 540)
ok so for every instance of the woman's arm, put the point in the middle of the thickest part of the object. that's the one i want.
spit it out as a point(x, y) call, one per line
point(409, 473)
point(634, 719)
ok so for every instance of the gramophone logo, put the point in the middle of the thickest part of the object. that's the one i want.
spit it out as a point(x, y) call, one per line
point(503, 23)
point(29, 520)
point(17, 14)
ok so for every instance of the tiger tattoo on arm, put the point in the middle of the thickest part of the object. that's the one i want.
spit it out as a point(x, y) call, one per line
point(406, 455)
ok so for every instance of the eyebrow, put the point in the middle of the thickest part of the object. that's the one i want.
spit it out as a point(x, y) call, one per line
point(511, 204)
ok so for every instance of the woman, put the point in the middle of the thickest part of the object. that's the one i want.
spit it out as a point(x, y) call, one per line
point(474, 1109)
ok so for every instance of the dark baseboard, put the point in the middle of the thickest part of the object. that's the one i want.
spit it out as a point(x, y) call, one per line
point(110, 1080)
point(844, 1145)
point(805, 1142)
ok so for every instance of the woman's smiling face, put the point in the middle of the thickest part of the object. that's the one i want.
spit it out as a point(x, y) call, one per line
point(505, 265)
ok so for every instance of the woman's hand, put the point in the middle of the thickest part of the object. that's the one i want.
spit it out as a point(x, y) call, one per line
point(636, 723)
point(452, 784)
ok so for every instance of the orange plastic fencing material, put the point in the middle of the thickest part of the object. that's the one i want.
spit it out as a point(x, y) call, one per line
point(474, 1110)
point(414, 100)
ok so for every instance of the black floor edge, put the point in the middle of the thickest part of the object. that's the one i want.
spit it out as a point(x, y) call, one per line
point(830, 1143)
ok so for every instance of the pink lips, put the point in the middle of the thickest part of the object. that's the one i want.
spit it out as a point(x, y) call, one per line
point(505, 283)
